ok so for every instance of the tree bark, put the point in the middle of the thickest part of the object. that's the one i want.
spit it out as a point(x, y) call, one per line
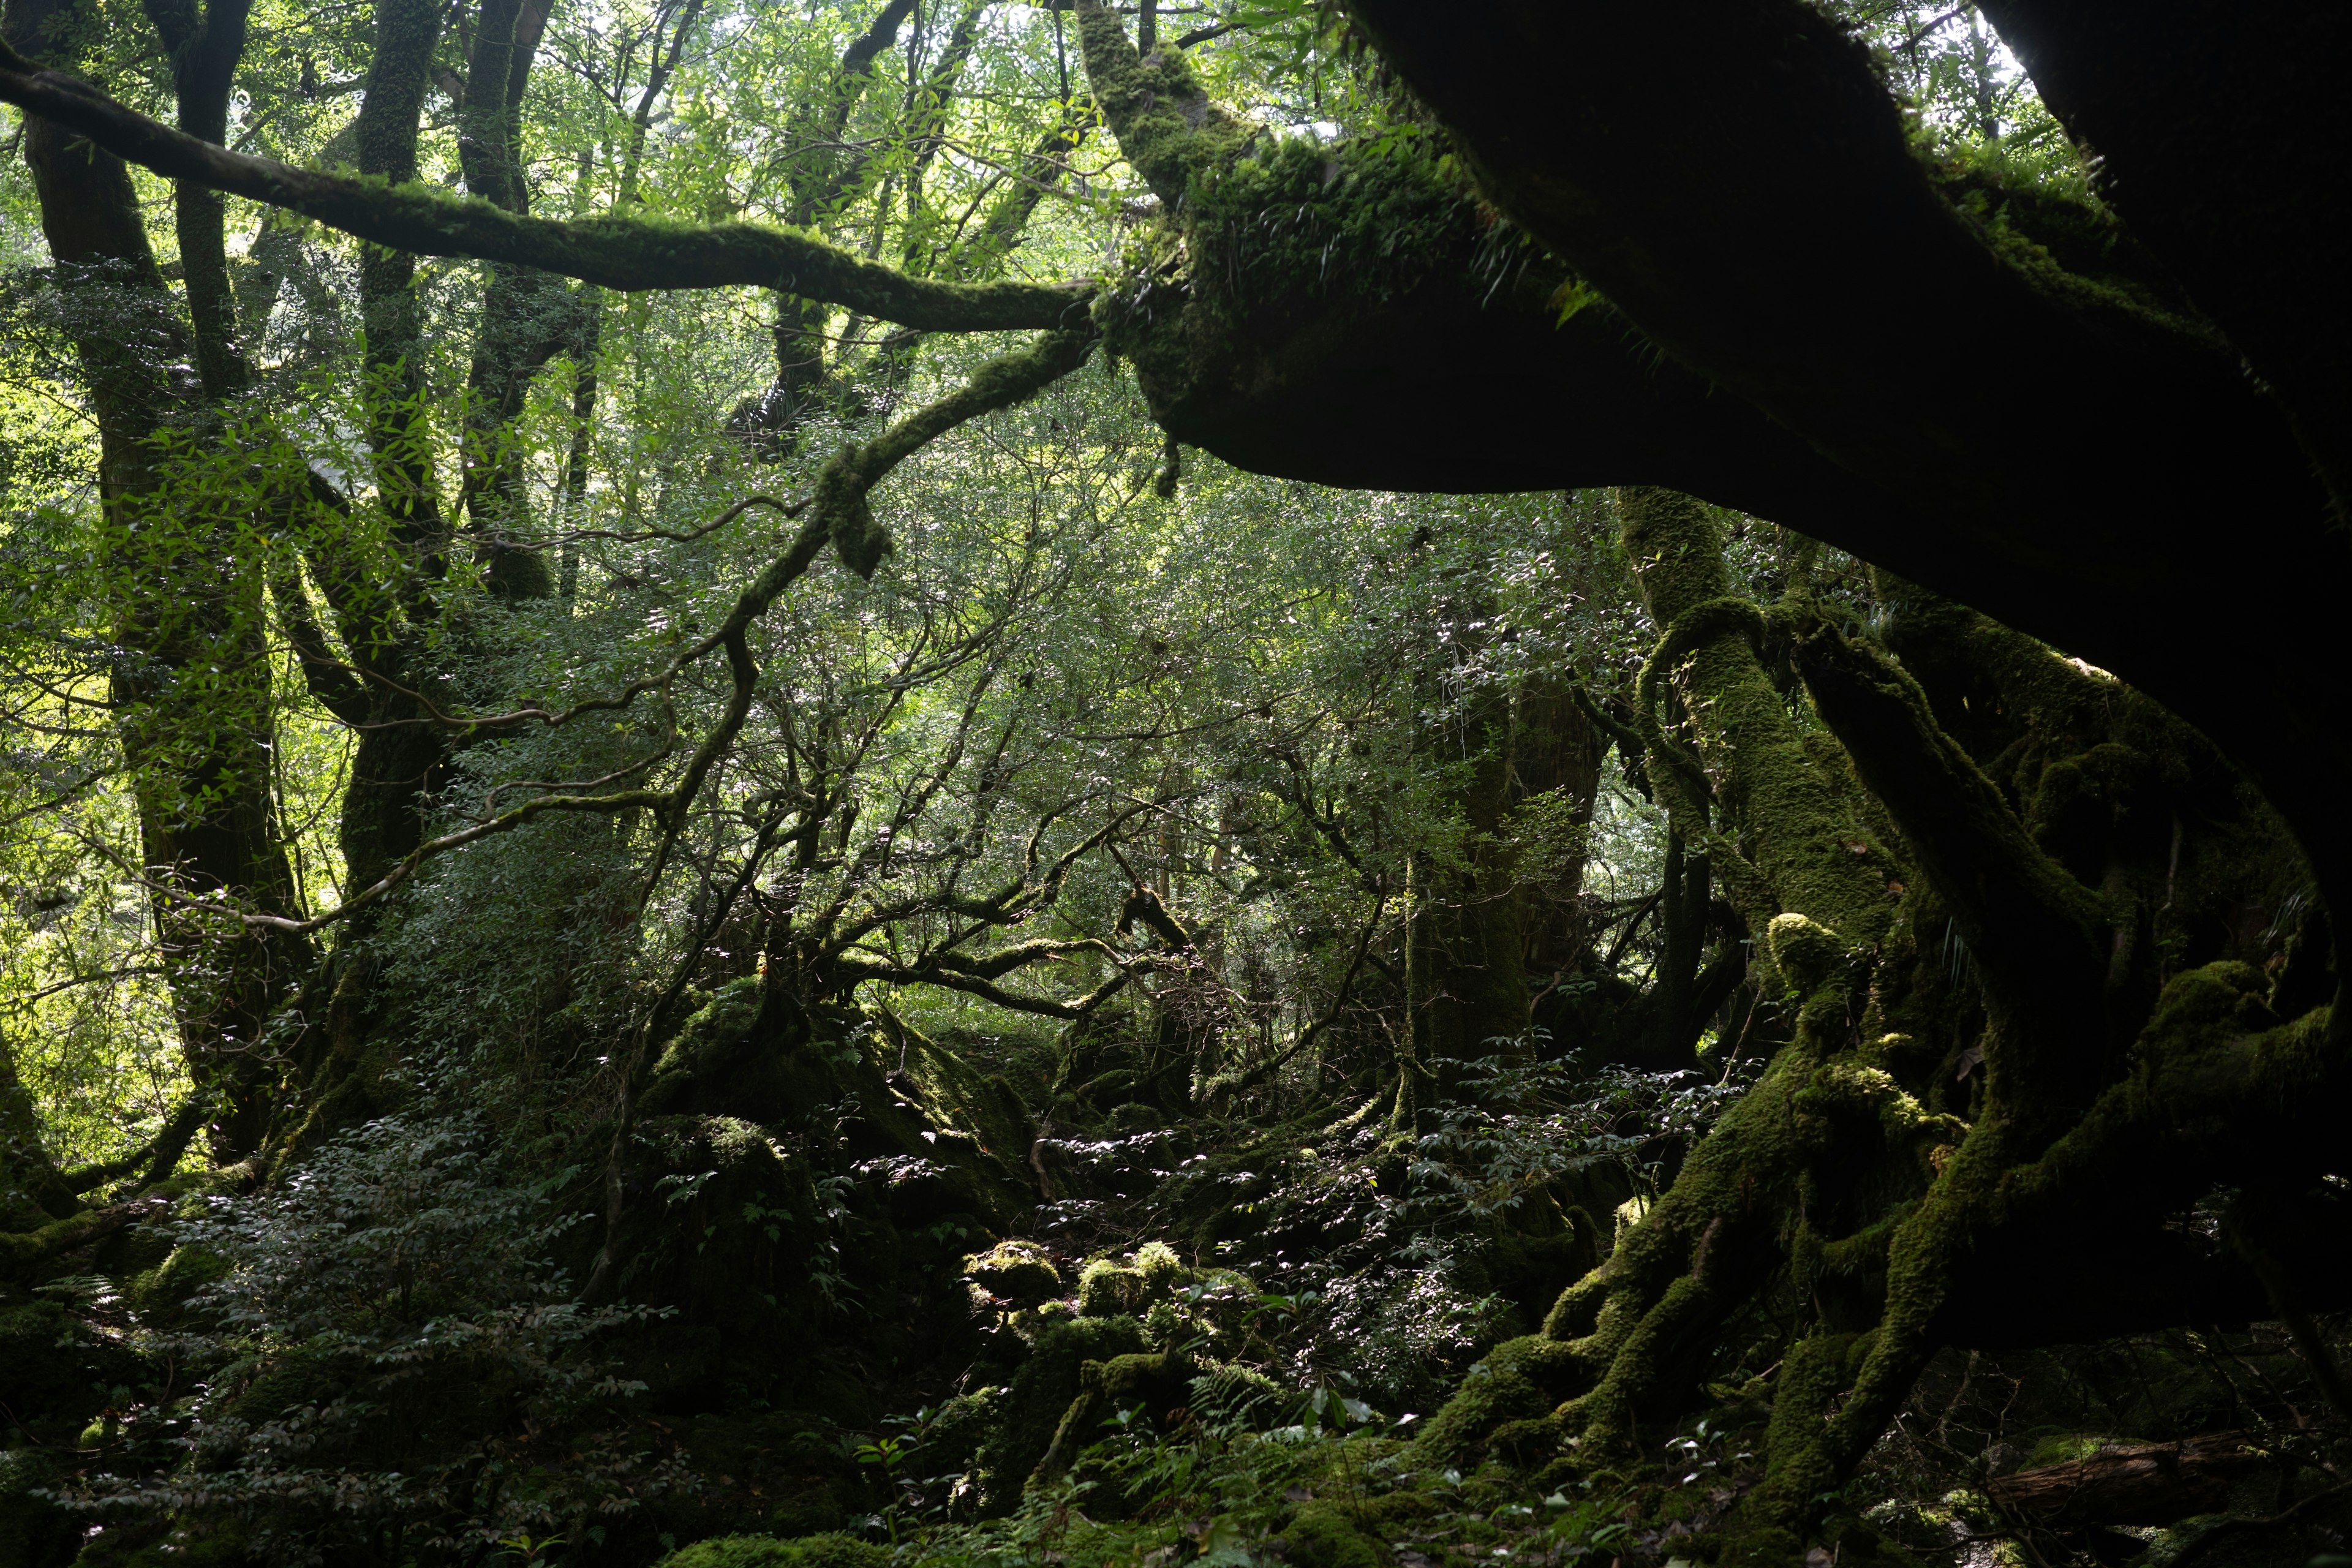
point(193, 691)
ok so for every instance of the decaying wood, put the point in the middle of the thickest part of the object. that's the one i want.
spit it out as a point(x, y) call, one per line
point(2136, 1483)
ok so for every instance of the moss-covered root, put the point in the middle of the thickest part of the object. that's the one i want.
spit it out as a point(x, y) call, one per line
point(1991, 686)
point(1520, 1380)
point(1823, 887)
point(1811, 1449)
point(1814, 851)
point(1646, 1319)
point(1677, 1318)
point(1799, 1466)
point(2041, 938)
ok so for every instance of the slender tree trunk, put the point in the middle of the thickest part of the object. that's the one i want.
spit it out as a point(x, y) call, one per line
point(397, 757)
point(188, 616)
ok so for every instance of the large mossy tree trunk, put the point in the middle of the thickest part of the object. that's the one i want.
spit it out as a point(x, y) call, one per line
point(1876, 1182)
point(1855, 1188)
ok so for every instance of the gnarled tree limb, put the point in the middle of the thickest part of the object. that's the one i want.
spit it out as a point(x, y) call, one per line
point(615, 252)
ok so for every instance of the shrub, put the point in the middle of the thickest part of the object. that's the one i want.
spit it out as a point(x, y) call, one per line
point(390, 1358)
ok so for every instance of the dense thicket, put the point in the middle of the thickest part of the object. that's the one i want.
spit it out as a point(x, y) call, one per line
point(832, 783)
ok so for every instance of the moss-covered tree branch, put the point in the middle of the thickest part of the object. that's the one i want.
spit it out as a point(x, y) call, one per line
point(625, 253)
point(840, 498)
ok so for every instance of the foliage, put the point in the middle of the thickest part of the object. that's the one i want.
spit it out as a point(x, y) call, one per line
point(1518, 1127)
point(387, 1353)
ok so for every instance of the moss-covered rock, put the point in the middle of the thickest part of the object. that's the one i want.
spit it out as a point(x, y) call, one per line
point(160, 1294)
point(1016, 1271)
point(1040, 1396)
point(952, 1441)
point(962, 1098)
point(957, 1139)
point(1153, 1386)
point(830, 1551)
point(1327, 1534)
point(1346, 1524)
point(1107, 1287)
point(715, 1043)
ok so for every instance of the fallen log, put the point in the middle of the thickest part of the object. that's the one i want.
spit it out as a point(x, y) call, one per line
point(2131, 1483)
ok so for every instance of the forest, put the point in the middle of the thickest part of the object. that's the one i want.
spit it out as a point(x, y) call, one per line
point(1174, 784)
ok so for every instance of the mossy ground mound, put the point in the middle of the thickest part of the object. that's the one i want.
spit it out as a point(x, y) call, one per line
point(823, 1550)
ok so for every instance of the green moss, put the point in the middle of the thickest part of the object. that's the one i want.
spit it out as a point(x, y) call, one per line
point(1520, 1380)
point(1813, 852)
point(1365, 1498)
point(1637, 1365)
point(1040, 1396)
point(952, 1441)
point(1109, 1289)
point(1294, 230)
point(1329, 1534)
point(1167, 127)
point(2049, 228)
point(984, 1104)
point(807, 1508)
point(1154, 1385)
point(1807, 952)
point(628, 252)
point(158, 1294)
point(1324, 218)
point(1015, 1271)
point(1578, 1310)
point(1159, 1382)
point(707, 1041)
point(831, 1551)
point(1308, 241)
point(1815, 874)
point(1800, 1466)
